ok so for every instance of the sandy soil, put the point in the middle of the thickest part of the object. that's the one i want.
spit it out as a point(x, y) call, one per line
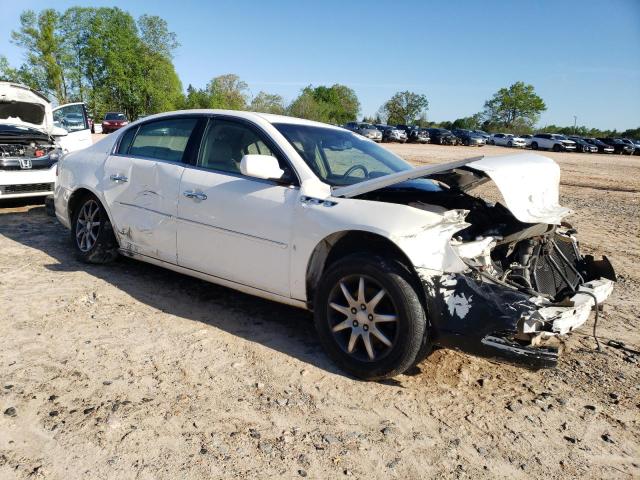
point(131, 371)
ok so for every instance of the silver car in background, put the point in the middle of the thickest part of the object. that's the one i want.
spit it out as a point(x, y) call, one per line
point(367, 130)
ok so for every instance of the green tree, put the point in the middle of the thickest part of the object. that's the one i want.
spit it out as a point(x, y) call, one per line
point(268, 103)
point(228, 92)
point(7, 72)
point(196, 98)
point(305, 106)
point(336, 104)
point(516, 108)
point(404, 108)
point(39, 36)
point(156, 36)
point(473, 122)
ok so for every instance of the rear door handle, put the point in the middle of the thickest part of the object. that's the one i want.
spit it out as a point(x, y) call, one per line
point(196, 195)
point(118, 178)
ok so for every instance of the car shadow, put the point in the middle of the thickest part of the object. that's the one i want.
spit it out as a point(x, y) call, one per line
point(280, 327)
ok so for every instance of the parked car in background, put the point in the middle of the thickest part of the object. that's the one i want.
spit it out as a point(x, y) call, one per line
point(619, 146)
point(552, 141)
point(527, 139)
point(33, 139)
point(482, 133)
point(367, 130)
point(415, 134)
point(637, 147)
point(390, 261)
point(600, 145)
point(392, 134)
point(507, 140)
point(469, 138)
point(629, 142)
point(582, 145)
point(73, 121)
point(442, 136)
point(114, 121)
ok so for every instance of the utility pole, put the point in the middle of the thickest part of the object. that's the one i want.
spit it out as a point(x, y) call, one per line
point(575, 122)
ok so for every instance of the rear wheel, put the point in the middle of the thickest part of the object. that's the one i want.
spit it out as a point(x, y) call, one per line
point(368, 317)
point(91, 232)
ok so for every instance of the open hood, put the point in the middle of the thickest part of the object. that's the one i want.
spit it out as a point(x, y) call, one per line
point(529, 183)
point(19, 105)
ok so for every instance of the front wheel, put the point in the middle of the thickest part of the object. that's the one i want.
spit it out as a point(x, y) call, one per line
point(534, 146)
point(91, 232)
point(368, 317)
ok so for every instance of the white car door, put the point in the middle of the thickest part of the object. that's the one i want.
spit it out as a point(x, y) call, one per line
point(74, 119)
point(231, 226)
point(141, 185)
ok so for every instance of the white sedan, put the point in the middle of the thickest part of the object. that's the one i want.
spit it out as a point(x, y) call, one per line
point(507, 140)
point(391, 259)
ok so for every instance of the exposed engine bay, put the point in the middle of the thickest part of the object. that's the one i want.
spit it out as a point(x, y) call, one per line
point(27, 152)
point(539, 259)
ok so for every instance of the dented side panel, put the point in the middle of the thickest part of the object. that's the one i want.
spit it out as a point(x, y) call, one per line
point(143, 208)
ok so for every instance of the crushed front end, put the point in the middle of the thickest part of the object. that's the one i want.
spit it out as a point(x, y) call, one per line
point(517, 298)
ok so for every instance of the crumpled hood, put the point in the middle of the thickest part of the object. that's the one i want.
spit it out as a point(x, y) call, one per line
point(529, 183)
point(19, 105)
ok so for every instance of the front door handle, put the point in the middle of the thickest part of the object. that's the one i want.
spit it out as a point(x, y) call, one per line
point(196, 195)
point(118, 178)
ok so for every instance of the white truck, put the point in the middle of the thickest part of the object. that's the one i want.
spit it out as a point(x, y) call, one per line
point(33, 136)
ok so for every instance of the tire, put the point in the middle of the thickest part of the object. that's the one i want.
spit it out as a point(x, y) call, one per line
point(510, 144)
point(534, 145)
point(404, 335)
point(556, 148)
point(100, 244)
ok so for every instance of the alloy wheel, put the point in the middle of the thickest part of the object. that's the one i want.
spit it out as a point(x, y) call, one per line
point(88, 225)
point(366, 328)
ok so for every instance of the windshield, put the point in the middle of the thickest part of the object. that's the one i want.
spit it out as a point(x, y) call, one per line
point(367, 126)
point(339, 157)
point(115, 116)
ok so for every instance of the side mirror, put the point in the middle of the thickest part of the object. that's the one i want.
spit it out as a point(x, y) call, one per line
point(265, 167)
point(59, 132)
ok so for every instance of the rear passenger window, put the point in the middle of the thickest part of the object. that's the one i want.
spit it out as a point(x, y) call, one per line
point(164, 139)
point(125, 141)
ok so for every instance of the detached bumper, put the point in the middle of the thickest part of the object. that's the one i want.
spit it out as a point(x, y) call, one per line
point(493, 321)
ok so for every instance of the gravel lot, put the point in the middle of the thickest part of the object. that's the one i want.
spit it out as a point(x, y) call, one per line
point(132, 371)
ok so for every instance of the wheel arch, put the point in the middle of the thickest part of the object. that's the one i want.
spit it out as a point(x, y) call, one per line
point(74, 200)
point(340, 244)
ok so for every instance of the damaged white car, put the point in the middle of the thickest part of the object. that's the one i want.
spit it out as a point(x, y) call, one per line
point(393, 260)
point(33, 136)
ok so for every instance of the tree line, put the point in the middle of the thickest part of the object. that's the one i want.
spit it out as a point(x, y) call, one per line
point(113, 62)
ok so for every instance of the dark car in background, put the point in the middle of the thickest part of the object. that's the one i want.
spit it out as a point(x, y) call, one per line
point(600, 145)
point(629, 142)
point(619, 147)
point(114, 121)
point(414, 133)
point(442, 136)
point(582, 145)
point(637, 145)
point(469, 137)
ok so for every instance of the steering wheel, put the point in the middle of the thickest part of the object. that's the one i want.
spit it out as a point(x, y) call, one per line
point(357, 167)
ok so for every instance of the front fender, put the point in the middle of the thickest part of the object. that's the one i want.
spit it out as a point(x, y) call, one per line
point(423, 236)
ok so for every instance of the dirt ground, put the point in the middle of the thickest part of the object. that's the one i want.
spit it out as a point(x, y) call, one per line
point(131, 371)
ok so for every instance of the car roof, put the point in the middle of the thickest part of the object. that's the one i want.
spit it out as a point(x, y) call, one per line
point(269, 117)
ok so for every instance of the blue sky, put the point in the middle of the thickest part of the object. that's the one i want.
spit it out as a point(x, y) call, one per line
point(582, 56)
